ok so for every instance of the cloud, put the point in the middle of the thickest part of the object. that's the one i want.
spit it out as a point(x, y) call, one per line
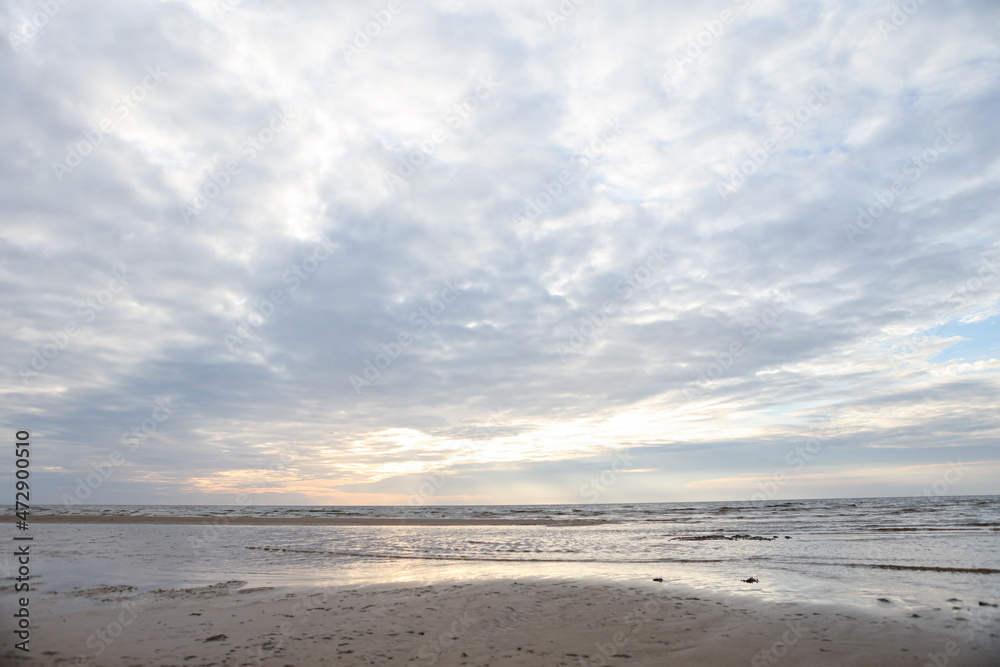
point(702, 234)
point(981, 365)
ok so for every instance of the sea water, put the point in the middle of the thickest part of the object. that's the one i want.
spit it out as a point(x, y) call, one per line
point(914, 552)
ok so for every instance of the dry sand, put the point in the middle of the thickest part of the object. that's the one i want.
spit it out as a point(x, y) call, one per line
point(540, 622)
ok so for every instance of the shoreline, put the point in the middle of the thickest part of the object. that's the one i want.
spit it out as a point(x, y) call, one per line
point(570, 622)
point(298, 520)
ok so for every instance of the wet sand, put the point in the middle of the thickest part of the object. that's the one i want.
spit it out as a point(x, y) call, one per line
point(506, 623)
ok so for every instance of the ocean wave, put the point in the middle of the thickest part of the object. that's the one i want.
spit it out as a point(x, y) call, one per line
point(918, 529)
point(920, 568)
point(983, 524)
point(474, 557)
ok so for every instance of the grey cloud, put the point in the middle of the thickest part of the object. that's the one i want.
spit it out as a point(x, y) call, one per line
point(489, 366)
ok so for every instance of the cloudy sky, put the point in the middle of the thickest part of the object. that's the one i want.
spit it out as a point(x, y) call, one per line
point(508, 252)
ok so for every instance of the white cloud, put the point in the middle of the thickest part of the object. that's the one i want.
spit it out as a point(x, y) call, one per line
point(856, 345)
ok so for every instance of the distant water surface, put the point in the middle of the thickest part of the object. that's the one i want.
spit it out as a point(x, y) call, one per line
point(917, 552)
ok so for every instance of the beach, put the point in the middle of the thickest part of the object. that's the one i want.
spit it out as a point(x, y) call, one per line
point(486, 623)
point(900, 581)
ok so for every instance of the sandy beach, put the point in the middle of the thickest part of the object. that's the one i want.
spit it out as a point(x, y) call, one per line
point(272, 586)
point(484, 623)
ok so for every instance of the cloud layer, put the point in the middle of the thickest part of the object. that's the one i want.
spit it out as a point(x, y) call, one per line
point(497, 253)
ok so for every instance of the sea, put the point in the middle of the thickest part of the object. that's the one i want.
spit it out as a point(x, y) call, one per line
point(911, 553)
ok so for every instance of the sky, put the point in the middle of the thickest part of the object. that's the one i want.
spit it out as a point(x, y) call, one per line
point(496, 252)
